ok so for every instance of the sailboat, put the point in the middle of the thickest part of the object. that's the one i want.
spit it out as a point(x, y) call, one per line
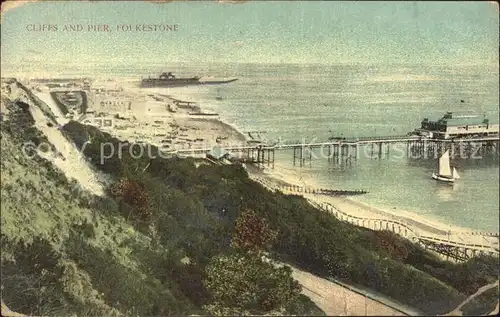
point(446, 173)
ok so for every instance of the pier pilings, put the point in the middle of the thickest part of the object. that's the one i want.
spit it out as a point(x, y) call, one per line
point(345, 153)
point(262, 156)
point(348, 152)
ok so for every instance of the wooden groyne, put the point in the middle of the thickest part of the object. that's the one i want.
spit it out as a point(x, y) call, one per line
point(312, 190)
point(322, 191)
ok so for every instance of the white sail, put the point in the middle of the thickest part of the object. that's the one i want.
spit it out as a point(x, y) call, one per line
point(444, 165)
point(455, 174)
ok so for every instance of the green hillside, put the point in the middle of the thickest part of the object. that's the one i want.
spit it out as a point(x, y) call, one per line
point(154, 244)
point(67, 252)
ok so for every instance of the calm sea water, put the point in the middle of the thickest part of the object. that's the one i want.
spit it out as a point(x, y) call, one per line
point(319, 101)
point(315, 102)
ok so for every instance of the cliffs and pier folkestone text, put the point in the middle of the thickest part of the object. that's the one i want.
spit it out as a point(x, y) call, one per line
point(102, 27)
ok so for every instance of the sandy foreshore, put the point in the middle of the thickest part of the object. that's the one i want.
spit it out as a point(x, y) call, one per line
point(173, 130)
point(424, 225)
point(147, 116)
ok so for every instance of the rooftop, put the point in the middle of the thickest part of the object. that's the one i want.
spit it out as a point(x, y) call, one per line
point(461, 119)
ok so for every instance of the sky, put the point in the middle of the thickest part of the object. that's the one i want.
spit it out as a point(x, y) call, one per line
point(338, 32)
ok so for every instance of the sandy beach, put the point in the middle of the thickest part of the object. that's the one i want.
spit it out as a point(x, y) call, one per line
point(149, 116)
point(425, 226)
point(134, 126)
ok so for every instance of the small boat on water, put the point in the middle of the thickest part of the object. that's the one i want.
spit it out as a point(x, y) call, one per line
point(445, 172)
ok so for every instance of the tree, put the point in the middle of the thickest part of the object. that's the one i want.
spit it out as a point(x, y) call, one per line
point(134, 194)
point(243, 284)
point(252, 233)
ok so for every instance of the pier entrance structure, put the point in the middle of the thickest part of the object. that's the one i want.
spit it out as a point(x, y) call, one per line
point(452, 126)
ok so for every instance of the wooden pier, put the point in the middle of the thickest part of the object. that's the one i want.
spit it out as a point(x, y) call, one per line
point(259, 155)
point(347, 151)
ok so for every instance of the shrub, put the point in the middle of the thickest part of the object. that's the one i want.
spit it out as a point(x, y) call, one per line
point(134, 194)
point(482, 304)
point(197, 210)
point(252, 233)
point(242, 283)
point(31, 281)
point(388, 241)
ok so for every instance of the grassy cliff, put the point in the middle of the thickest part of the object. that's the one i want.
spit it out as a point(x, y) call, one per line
point(308, 238)
point(61, 255)
point(67, 252)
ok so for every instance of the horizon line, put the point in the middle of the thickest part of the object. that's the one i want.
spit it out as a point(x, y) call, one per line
point(366, 63)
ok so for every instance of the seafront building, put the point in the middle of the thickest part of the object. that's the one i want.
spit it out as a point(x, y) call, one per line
point(458, 126)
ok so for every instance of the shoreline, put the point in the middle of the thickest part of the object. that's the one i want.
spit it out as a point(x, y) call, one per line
point(426, 226)
point(146, 116)
point(214, 127)
point(283, 176)
point(241, 137)
point(191, 132)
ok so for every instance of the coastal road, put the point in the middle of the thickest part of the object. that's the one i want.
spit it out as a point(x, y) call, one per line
point(337, 300)
point(457, 311)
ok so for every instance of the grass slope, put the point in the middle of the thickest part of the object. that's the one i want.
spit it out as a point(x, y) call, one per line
point(66, 252)
point(145, 253)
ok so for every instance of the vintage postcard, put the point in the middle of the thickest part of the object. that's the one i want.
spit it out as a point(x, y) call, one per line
point(187, 158)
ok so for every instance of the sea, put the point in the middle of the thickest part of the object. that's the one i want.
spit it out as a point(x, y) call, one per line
point(312, 102)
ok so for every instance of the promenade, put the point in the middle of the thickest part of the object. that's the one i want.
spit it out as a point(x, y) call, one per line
point(450, 244)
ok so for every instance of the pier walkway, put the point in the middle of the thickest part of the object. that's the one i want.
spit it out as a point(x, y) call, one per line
point(290, 144)
point(379, 139)
point(345, 150)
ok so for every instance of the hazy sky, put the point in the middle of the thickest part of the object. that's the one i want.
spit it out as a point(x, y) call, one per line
point(308, 32)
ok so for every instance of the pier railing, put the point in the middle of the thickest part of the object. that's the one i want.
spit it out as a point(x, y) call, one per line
point(372, 140)
point(348, 140)
point(364, 141)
